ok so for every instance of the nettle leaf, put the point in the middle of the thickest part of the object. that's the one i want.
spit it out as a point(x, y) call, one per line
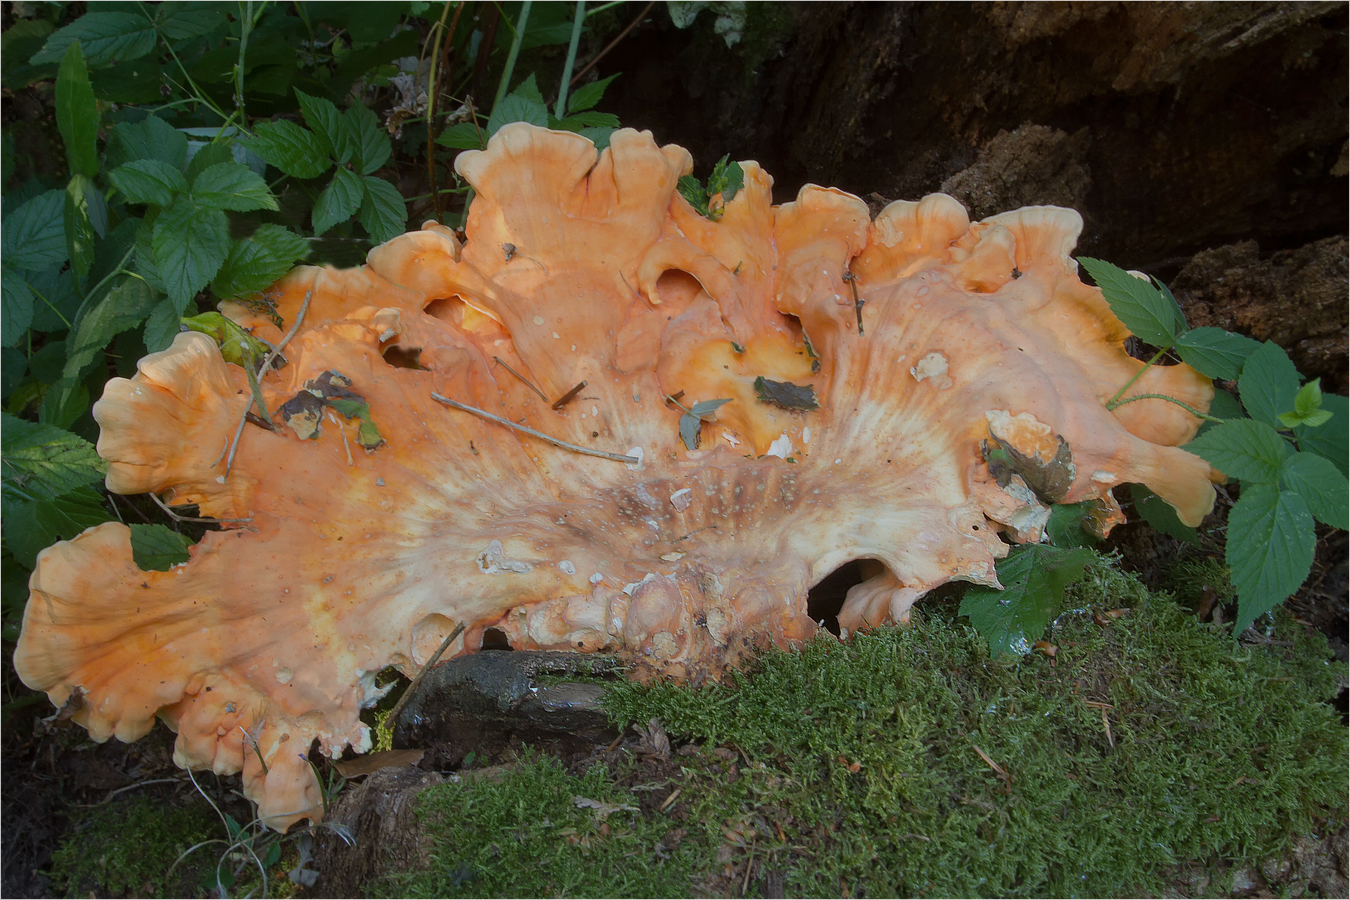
point(1141, 307)
point(384, 214)
point(339, 201)
point(77, 113)
point(78, 226)
point(786, 394)
point(42, 462)
point(370, 142)
point(1160, 514)
point(1244, 449)
point(106, 37)
point(296, 151)
point(17, 312)
point(464, 136)
point(1215, 353)
point(34, 236)
point(325, 120)
point(1321, 485)
point(588, 95)
point(1332, 439)
point(122, 308)
point(233, 187)
point(190, 243)
point(149, 181)
point(1268, 384)
point(158, 548)
point(150, 138)
point(1307, 407)
point(1270, 549)
point(1034, 578)
point(256, 262)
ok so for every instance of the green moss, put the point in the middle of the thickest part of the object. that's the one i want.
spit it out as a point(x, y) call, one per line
point(861, 768)
point(128, 848)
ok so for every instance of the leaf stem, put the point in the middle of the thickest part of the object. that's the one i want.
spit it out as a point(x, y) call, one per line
point(266, 365)
point(578, 20)
point(1115, 401)
point(1190, 409)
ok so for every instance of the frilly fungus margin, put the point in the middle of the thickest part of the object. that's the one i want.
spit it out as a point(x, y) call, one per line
point(930, 344)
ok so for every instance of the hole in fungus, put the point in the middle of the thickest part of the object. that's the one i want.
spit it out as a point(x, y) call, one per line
point(824, 601)
point(447, 309)
point(402, 357)
point(495, 639)
point(677, 289)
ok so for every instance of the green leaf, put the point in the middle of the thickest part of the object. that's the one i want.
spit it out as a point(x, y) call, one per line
point(190, 244)
point(705, 408)
point(528, 90)
point(124, 307)
point(584, 120)
point(588, 95)
point(1307, 407)
point(189, 21)
point(236, 345)
point(1268, 384)
point(79, 229)
point(42, 462)
point(1332, 439)
point(145, 250)
point(31, 527)
point(326, 122)
point(55, 302)
point(727, 179)
point(384, 215)
point(232, 186)
point(1244, 449)
point(368, 436)
point(1066, 526)
point(1270, 549)
point(689, 426)
point(1321, 485)
point(149, 181)
point(150, 138)
point(162, 326)
point(158, 548)
point(77, 113)
point(202, 156)
point(692, 189)
point(64, 404)
point(1034, 578)
point(256, 262)
point(1142, 308)
point(1161, 515)
point(339, 201)
point(598, 136)
point(17, 312)
point(1215, 353)
point(464, 136)
point(106, 37)
point(34, 236)
point(294, 150)
point(369, 141)
point(515, 108)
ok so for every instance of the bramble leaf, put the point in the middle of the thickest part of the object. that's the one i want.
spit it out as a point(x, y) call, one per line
point(1065, 527)
point(233, 187)
point(1158, 513)
point(79, 227)
point(370, 142)
point(326, 124)
point(588, 95)
point(161, 326)
point(1034, 578)
point(1268, 384)
point(339, 201)
point(296, 151)
point(158, 548)
point(42, 462)
point(1270, 549)
point(190, 243)
point(149, 181)
point(31, 527)
point(464, 136)
point(105, 37)
point(516, 108)
point(17, 312)
point(150, 138)
point(1332, 439)
point(1321, 485)
point(1141, 307)
point(124, 307)
point(598, 136)
point(1244, 449)
point(188, 21)
point(77, 113)
point(1215, 353)
point(256, 262)
point(34, 236)
point(1307, 407)
point(384, 215)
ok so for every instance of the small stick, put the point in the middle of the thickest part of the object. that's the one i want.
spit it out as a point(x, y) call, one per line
point(993, 765)
point(177, 517)
point(857, 303)
point(617, 457)
point(749, 864)
point(417, 679)
point(267, 364)
point(611, 45)
point(342, 431)
point(527, 381)
point(567, 397)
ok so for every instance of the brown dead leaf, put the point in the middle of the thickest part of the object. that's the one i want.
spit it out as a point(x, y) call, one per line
point(602, 809)
point(654, 741)
point(374, 762)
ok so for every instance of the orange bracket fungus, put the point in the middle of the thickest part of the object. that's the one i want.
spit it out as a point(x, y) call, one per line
point(499, 434)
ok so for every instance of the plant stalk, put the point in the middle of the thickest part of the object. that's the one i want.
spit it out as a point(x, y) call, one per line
point(516, 41)
point(578, 19)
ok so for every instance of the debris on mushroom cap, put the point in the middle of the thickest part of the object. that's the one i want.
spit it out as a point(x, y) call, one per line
point(361, 554)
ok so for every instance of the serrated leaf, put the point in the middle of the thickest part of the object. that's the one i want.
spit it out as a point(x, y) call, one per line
point(189, 21)
point(162, 326)
point(339, 201)
point(582, 120)
point(42, 462)
point(325, 122)
point(158, 548)
point(529, 88)
point(598, 136)
point(150, 138)
point(149, 181)
point(105, 37)
point(1321, 485)
point(370, 142)
point(64, 404)
point(1307, 407)
point(1215, 353)
point(515, 108)
point(1270, 549)
point(384, 214)
point(256, 262)
point(1268, 384)
point(692, 189)
point(1331, 440)
point(1160, 514)
point(294, 150)
point(1244, 449)
point(123, 307)
point(1142, 308)
point(464, 136)
point(17, 313)
point(1065, 528)
point(1034, 578)
point(145, 251)
point(203, 155)
point(31, 527)
point(705, 408)
point(34, 236)
point(786, 394)
point(233, 187)
point(77, 113)
point(689, 426)
point(588, 95)
point(727, 179)
point(79, 228)
point(190, 243)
